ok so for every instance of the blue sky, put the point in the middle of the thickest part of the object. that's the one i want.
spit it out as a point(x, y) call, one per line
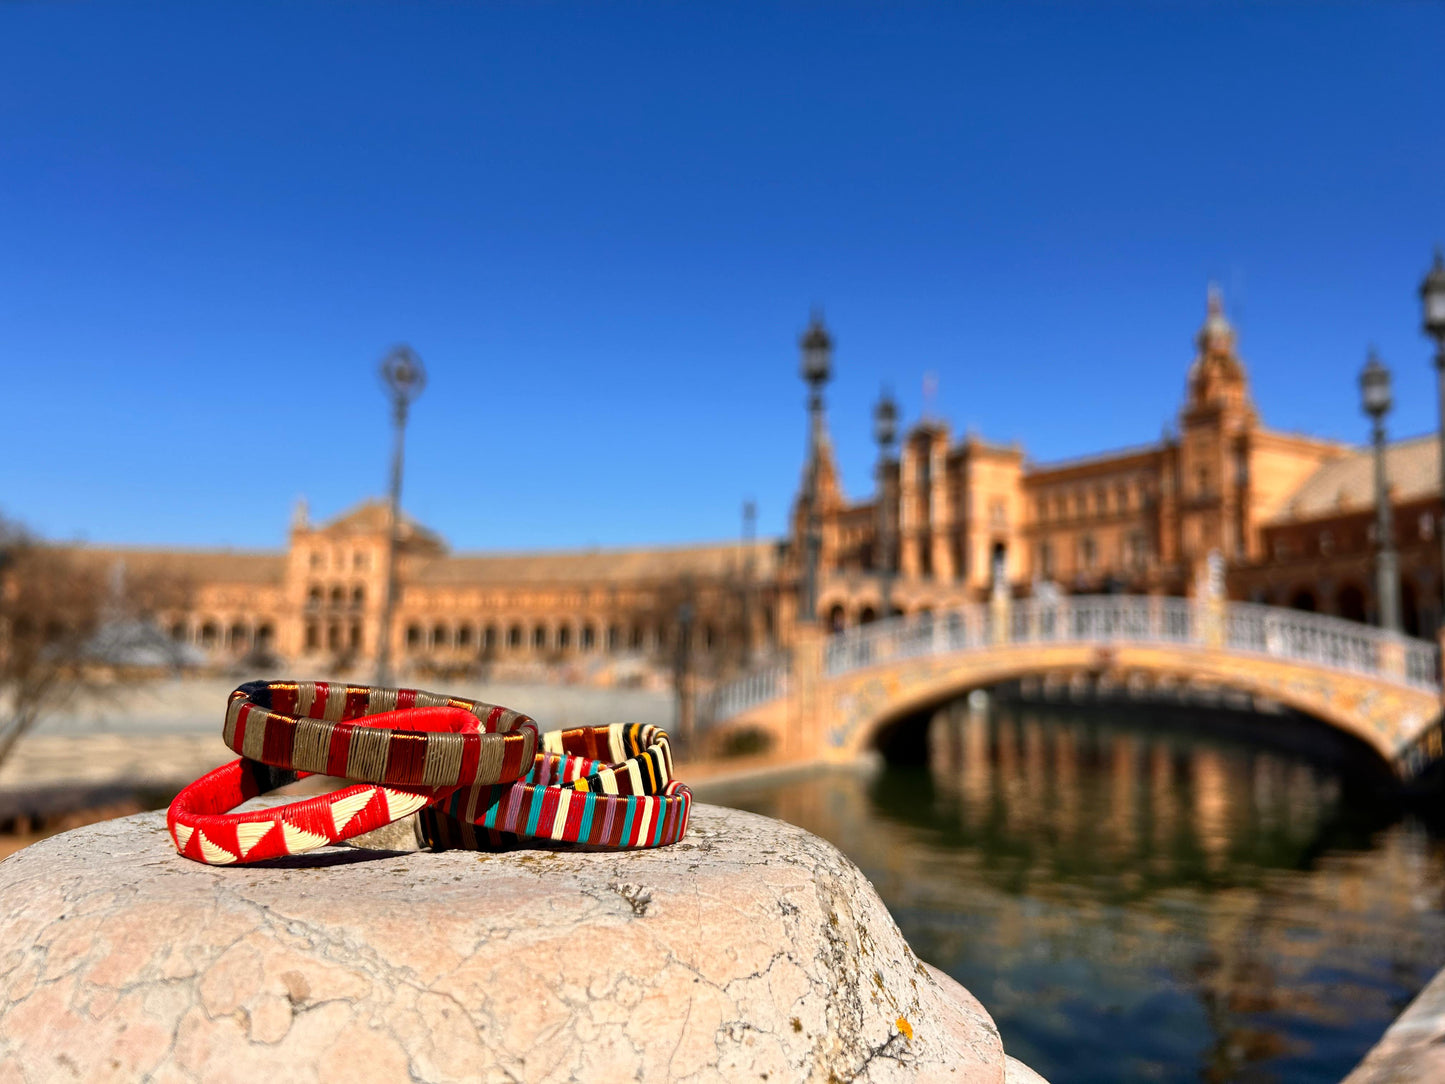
point(603, 227)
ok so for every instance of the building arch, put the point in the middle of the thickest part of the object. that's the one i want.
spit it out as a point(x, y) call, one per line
point(1350, 602)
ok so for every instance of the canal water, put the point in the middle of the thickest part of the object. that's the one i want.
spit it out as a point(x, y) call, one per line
point(1136, 903)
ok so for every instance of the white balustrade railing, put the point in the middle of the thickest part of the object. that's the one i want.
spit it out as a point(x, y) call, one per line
point(749, 689)
point(1266, 631)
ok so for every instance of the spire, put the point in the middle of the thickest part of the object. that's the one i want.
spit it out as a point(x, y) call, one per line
point(1217, 334)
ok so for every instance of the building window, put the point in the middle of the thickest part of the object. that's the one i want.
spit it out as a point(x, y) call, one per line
point(614, 637)
point(413, 637)
point(333, 636)
point(355, 638)
point(178, 632)
point(589, 637)
point(1088, 553)
point(338, 595)
point(238, 637)
point(1121, 498)
point(489, 638)
point(359, 559)
point(514, 637)
point(1137, 550)
point(464, 636)
point(1046, 560)
point(313, 597)
point(313, 636)
point(636, 640)
point(564, 637)
point(539, 637)
point(316, 559)
point(1201, 481)
point(208, 635)
point(358, 597)
point(440, 636)
point(265, 636)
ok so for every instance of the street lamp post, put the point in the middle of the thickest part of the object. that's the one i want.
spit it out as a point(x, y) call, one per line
point(817, 365)
point(1375, 392)
point(404, 376)
point(1432, 297)
point(885, 432)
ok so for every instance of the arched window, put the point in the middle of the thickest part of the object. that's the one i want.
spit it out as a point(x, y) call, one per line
point(313, 596)
point(464, 636)
point(867, 616)
point(709, 638)
point(514, 637)
point(614, 637)
point(313, 636)
point(178, 632)
point(489, 638)
point(239, 637)
point(635, 641)
point(338, 596)
point(837, 618)
point(209, 632)
point(440, 636)
point(265, 637)
point(358, 597)
point(354, 638)
point(589, 637)
point(413, 637)
point(333, 636)
point(564, 637)
point(539, 637)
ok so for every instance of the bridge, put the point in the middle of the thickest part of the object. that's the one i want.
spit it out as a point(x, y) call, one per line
point(835, 696)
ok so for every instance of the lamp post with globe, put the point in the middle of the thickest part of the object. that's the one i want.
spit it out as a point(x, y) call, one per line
point(1377, 400)
point(885, 432)
point(1432, 299)
point(404, 377)
point(817, 365)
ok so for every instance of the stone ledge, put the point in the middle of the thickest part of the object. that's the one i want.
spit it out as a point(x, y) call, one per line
point(751, 951)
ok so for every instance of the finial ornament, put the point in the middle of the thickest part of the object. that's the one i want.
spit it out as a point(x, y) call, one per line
point(1217, 334)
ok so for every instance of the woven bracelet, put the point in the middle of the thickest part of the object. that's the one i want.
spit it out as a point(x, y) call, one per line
point(560, 814)
point(570, 797)
point(203, 828)
point(325, 727)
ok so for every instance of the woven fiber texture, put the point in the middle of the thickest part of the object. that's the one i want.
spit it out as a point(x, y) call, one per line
point(363, 733)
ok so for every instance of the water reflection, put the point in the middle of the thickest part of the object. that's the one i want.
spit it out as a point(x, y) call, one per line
point(1133, 904)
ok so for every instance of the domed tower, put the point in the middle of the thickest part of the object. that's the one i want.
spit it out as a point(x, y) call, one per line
point(1215, 425)
point(1217, 380)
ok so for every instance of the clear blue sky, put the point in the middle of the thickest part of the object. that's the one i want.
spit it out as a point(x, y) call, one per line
point(603, 226)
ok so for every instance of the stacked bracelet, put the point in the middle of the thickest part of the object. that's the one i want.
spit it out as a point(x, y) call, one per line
point(569, 797)
point(328, 728)
point(507, 816)
point(203, 827)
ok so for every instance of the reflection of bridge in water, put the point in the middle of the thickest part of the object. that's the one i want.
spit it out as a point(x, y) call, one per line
point(835, 697)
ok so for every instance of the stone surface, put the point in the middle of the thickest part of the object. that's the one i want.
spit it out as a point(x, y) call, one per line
point(751, 951)
point(1413, 1049)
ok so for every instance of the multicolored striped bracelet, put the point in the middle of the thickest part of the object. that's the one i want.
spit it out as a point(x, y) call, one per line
point(331, 729)
point(519, 815)
point(569, 796)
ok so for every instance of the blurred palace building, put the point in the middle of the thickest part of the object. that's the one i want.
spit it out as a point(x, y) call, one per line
point(1291, 516)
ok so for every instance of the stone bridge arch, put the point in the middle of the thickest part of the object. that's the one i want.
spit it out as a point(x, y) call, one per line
point(843, 692)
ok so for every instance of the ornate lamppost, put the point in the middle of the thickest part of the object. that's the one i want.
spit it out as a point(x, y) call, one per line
point(1432, 297)
point(404, 376)
point(817, 366)
point(885, 432)
point(1375, 393)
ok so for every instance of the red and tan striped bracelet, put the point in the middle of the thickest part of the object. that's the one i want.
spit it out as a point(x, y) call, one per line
point(570, 797)
point(329, 728)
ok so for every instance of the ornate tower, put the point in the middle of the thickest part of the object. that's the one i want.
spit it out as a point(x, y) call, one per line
point(1214, 430)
